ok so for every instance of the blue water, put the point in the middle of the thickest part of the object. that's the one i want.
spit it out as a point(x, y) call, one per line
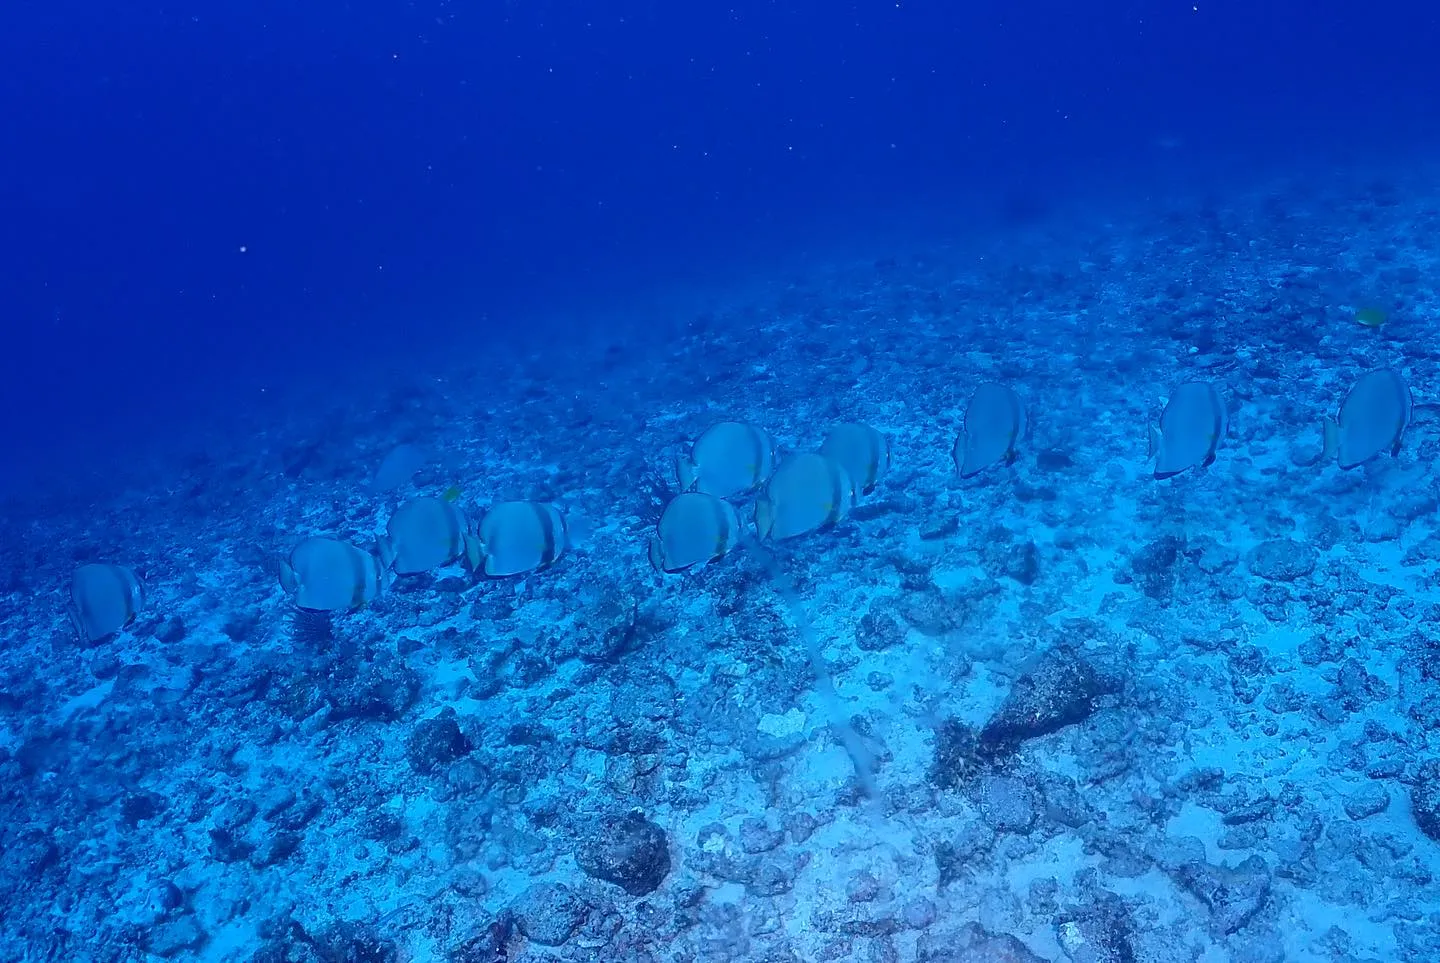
point(198, 200)
point(248, 249)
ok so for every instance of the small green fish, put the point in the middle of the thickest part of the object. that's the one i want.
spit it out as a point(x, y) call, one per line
point(1371, 317)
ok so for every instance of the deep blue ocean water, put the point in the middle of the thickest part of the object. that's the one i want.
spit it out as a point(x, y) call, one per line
point(1061, 709)
point(198, 201)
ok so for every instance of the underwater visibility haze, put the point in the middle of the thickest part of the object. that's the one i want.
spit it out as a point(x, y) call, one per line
point(866, 481)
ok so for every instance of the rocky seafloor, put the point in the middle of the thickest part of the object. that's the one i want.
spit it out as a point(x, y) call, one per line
point(1109, 718)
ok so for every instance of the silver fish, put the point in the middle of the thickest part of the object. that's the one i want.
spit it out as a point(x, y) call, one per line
point(863, 450)
point(517, 537)
point(729, 458)
point(994, 425)
point(1191, 428)
point(330, 575)
point(807, 492)
point(103, 600)
point(1373, 418)
point(694, 528)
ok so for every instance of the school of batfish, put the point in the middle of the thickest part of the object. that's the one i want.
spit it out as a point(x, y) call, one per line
point(795, 495)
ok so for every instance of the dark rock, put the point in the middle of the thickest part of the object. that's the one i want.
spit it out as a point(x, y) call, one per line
point(631, 852)
point(227, 847)
point(1234, 896)
point(772, 878)
point(957, 755)
point(1369, 800)
point(234, 814)
point(800, 825)
point(274, 848)
point(137, 807)
point(172, 632)
point(1053, 459)
point(1060, 691)
point(877, 632)
point(549, 914)
point(487, 946)
point(1022, 563)
point(436, 742)
point(382, 691)
point(1282, 560)
point(1098, 931)
point(175, 936)
point(1153, 566)
point(1425, 800)
point(354, 943)
point(757, 837)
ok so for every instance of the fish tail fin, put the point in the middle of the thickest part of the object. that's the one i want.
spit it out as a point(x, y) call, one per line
point(657, 554)
point(288, 580)
point(958, 454)
point(385, 548)
point(579, 530)
point(385, 578)
point(764, 517)
point(474, 552)
point(73, 612)
point(1330, 432)
point(1154, 439)
point(686, 473)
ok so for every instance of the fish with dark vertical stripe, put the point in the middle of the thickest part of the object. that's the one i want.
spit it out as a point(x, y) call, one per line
point(994, 425)
point(103, 600)
point(423, 534)
point(1191, 428)
point(694, 529)
point(330, 575)
point(729, 458)
point(863, 450)
point(517, 537)
point(1372, 419)
point(808, 492)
